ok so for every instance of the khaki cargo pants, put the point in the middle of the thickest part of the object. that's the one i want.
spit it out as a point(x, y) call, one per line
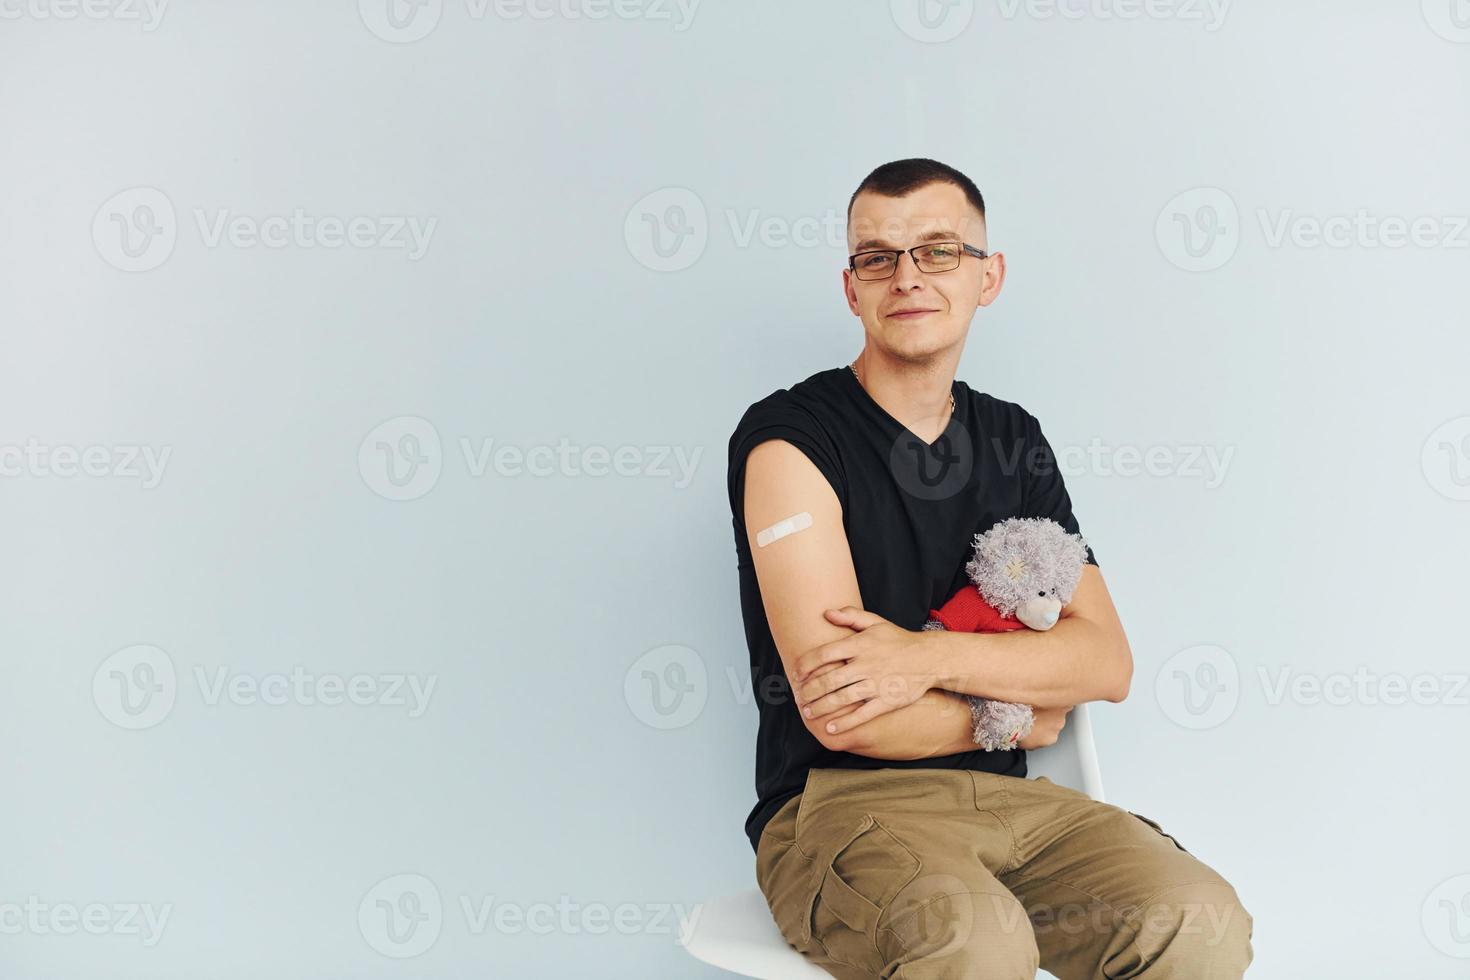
point(929, 873)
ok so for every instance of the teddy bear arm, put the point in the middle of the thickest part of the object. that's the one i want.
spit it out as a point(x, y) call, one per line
point(998, 724)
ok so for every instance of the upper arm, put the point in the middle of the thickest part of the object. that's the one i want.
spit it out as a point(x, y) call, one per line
point(1091, 601)
point(804, 573)
point(1046, 496)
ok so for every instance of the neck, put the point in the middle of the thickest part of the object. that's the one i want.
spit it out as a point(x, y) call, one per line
point(915, 393)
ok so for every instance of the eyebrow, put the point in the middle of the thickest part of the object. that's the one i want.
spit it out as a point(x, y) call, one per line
point(933, 236)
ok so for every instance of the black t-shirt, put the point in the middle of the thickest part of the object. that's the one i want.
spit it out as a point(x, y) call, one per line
point(911, 512)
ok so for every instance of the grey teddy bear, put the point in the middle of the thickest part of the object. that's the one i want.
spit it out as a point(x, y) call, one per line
point(1023, 572)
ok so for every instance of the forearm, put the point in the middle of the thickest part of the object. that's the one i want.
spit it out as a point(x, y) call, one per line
point(1074, 661)
point(937, 724)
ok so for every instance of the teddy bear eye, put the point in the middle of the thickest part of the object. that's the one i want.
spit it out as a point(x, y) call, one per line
point(1042, 593)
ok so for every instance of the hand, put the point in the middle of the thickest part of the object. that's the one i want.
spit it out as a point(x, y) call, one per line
point(880, 671)
point(1046, 727)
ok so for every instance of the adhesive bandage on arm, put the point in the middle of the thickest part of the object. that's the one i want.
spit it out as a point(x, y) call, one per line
point(779, 530)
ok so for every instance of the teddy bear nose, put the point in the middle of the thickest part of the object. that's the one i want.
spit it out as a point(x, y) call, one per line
point(1051, 617)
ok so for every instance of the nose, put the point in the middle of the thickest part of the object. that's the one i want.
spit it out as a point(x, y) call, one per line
point(1051, 617)
point(907, 275)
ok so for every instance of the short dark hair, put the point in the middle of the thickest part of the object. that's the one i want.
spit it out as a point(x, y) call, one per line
point(903, 176)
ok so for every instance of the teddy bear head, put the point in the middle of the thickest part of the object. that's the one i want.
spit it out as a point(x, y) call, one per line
point(1028, 567)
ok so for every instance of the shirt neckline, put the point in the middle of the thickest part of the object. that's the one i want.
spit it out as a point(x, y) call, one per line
point(862, 394)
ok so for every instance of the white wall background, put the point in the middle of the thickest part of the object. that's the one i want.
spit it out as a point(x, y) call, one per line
point(540, 310)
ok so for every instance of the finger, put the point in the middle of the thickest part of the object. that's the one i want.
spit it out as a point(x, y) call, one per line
point(825, 654)
point(820, 684)
point(858, 619)
point(843, 698)
point(830, 686)
point(870, 710)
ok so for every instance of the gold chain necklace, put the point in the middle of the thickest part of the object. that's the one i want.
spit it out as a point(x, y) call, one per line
point(853, 369)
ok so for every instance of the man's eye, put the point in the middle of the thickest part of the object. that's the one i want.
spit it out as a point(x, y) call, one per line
point(941, 252)
point(876, 261)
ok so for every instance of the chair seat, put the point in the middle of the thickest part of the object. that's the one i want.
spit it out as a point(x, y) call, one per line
point(736, 933)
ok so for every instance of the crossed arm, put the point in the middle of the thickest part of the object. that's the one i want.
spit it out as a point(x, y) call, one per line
point(871, 688)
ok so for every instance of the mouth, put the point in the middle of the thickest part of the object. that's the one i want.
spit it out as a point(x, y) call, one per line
point(910, 314)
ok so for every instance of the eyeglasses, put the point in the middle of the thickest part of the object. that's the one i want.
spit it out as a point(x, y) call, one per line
point(930, 257)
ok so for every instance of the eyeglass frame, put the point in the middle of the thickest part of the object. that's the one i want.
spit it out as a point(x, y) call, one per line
point(966, 249)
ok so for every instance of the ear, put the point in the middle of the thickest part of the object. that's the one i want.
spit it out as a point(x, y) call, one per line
point(993, 278)
point(849, 291)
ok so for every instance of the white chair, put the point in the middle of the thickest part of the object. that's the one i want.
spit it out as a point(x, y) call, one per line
point(736, 932)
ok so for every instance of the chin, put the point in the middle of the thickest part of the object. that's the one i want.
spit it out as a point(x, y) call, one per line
point(916, 345)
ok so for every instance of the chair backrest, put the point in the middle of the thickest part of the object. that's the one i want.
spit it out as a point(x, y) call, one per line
point(1072, 761)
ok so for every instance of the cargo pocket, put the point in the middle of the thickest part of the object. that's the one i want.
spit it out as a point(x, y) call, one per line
point(1161, 830)
point(852, 888)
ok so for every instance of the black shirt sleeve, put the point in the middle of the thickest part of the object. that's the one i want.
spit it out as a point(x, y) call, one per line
point(1046, 493)
point(775, 418)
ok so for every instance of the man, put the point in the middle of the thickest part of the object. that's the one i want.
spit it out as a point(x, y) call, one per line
point(887, 843)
